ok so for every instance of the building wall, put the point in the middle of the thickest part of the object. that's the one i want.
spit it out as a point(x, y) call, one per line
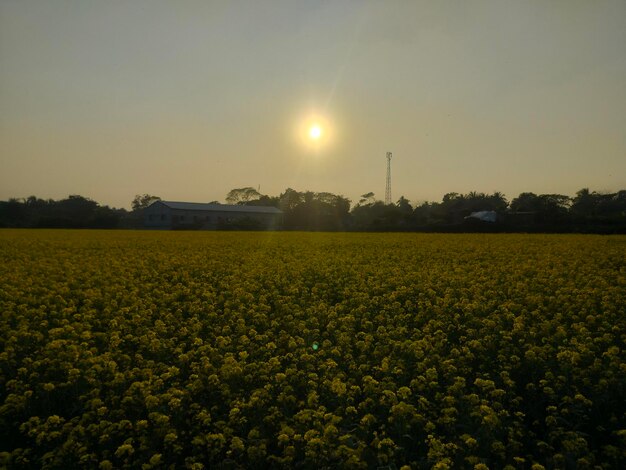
point(158, 216)
point(197, 219)
point(161, 216)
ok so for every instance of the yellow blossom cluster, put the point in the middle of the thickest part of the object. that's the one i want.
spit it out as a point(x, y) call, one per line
point(123, 349)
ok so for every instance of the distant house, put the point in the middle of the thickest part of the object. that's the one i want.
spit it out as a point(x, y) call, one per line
point(485, 216)
point(170, 215)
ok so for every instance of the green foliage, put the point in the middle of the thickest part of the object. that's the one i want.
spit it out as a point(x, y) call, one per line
point(194, 350)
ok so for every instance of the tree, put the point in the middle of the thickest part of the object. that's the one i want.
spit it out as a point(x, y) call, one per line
point(452, 208)
point(141, 201)
point(611, 205)
point(290, 199)
point(242, 195)
point(12, 213)
point(372, 216)
point(525, 202)
point(554, 208)
point(315, 211)
point(268, 201)
point(426, 214)
point(585, 203)
point(548, 209)
point(404, 205)
point(105, 217)
point(367, 198)
point(498, 202)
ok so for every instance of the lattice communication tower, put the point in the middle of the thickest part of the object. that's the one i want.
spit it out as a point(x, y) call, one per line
point(388, 187)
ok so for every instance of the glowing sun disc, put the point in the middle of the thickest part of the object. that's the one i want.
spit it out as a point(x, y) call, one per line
point(315, 132)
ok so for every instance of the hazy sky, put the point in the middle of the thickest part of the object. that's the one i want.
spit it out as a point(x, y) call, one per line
point(189, 99)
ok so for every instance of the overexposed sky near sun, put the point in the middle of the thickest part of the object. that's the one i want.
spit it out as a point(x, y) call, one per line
point(189, 99)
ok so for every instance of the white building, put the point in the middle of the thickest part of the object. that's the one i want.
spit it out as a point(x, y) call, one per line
point(169, 215)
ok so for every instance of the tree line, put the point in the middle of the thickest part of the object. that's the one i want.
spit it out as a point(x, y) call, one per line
point(586, 212)
point(72, 212)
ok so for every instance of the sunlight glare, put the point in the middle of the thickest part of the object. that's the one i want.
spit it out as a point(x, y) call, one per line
point(315, 132)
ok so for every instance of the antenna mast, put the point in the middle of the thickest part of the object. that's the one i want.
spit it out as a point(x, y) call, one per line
point(388, 188)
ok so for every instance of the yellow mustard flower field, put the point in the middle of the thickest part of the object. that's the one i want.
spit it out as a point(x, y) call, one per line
point(123, 349)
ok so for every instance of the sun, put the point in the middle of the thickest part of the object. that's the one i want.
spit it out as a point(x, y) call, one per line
point(315, 132)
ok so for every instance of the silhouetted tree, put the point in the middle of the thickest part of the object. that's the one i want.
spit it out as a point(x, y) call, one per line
point(141, 201)
point(546, 209)
point(290, 199)
point(373, 216)
point(584, 204)
point(613, 205)
point(12, 213)
point(242, 195)
point(367, 198)
point(404, 205)
point(598, 212)
point(526, 202)
point(314, 211)
point(106, 217)
point(268, 201)
point(426, 214)
point(498, 202)
point(72, 212)
point(587, 212)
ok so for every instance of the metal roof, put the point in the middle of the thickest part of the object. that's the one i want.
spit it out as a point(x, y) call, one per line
point(199, 206)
